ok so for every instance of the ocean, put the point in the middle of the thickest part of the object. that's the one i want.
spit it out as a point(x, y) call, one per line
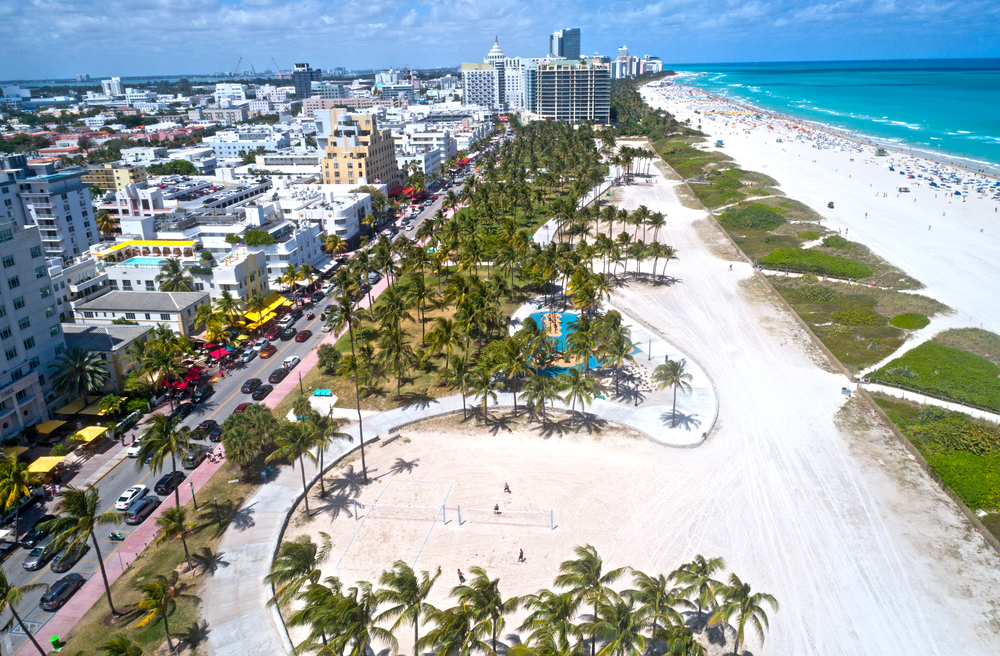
point(944, 107)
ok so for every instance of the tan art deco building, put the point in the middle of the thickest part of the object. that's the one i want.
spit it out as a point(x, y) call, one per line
point(355, 150)
point(114, 176)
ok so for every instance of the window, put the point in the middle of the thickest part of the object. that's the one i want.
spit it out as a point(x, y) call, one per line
point(24, 322)
point(46, 291)
point(18, 302)
point(6, 235)
point(21, 394)
point(3, 310)
point(29, 343)
point(16, 375)
point(149, 286)
point(39, 272)
point(8, 261)
point(148, 317)
point(53, 331)
point(5, 332)
point(14, 283)
point(88, 315)
point(164, 317)
point(36, 251)
point(130, 316)
point(11, 353)
point(59, 349)
point(49, 311)
point(33, 363)
point(127, 285)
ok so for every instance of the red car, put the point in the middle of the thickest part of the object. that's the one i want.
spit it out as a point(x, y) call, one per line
point(241, 407)
point(273, 334)
point(303, 335)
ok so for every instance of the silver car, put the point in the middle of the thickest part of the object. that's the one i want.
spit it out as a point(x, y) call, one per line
point(38, 556)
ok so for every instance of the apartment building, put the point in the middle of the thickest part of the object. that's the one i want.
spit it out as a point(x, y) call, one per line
point(302, 77)
point(565, 44)
point(113, 87)
point(235, 143)
point(573, 91)
point(230, 115)
point(226, 92)
point(481, 85)
point(429, 160)
point(355, 150)
point(114, 176)
point(76, 281)
point(111, 344)
point(172, 309)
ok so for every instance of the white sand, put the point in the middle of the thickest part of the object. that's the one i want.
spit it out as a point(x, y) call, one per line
point(958, 259)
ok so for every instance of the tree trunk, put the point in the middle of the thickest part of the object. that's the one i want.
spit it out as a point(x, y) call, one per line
point(187, 555)
point(305, 490)
point(673, 413)
point(177, 488)
point(104, 575)
point(26, 631)
point(166, 631)
point(357, 394)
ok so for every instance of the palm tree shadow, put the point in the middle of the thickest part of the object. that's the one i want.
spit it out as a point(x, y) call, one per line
point(669, 281)
point(208, 560)
point(591, 423)
point(195, 635)
point(335, 504)
point(498, 422)
point(348, 484)
point(402, 466)
point(715, 633)
point(243, 519)
point(554, 427)
point(687, 422)
point(418, 400)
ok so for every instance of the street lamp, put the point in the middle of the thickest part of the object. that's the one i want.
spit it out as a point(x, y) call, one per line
point(218, 517)
point(300, 383)
point(193, 497)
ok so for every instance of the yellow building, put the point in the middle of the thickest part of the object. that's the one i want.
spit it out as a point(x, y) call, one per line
point(355, 150)
point(114, 176)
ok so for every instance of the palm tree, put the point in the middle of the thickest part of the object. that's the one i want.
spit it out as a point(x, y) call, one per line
point(540, 389)
point(658, 600)
point(445, 336)
point(228, 307)
point(290, 275)
point(482, 386)
point(106, 223)
point(482, 595)
point(672, 374)
point(619, 624)
point(160, 440)
point(619, 351)
point(16, 482)
point(458, 631)
point(10, 598)
point(408, 594)
point(205, 315)
point(696, 579)
point(119, 645)
point(738, 602)
point(357, 614)
point(80, 513)
point(341, 317)
point(173, 522)
point(669, 253)
point(327, 429)
point(112, 405)
point(294, 441)
point(175, 278)
point(79, 372)
point(308, 274)
point(320, 612)
point(552, 616)
point(333, 244)
point(587, 580)
point(157, 601)
point(297, 563)
point(460, 375)
point(578, 388)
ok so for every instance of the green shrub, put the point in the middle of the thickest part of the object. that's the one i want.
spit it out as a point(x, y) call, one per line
point(903, 372)
point(910, 321)
point(974, 478)
point(800, 259)
point(59, 450)
point(948, 372)
point(752, 217)
point(808, 235)
point(136, 404)
point(809, 279)
point(858, 317)
point(838, 242)
point(820, 294)
point(992, 524)
point(727, 184)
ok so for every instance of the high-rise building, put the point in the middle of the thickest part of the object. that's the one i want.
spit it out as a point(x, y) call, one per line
point(355, 151)
point(481, 85)
point(565, 44)
point(113, 87)
point(573, 91)
point(302, 78)
point(57, 201)
point(498, 61)
point(623, 52)
point(82, 77)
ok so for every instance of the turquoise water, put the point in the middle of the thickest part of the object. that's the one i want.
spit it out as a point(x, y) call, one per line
point(560, 340)
point(948, 107)
point(155, 261)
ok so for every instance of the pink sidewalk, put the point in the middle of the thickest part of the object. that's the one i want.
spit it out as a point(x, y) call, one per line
point(66, 618)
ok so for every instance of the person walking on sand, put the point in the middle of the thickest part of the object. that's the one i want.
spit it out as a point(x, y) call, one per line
point(506, 488)
point(461, 577)
point(496, 509)
point(730, 267)
point(520, 556)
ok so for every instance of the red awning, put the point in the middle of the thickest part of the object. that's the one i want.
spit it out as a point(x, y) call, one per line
point(396, 191)
point(209, 347)
point(178, 384)
point(221, 353)
point(464, 160)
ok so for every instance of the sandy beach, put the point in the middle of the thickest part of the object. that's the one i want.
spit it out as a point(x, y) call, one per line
point(949, 243)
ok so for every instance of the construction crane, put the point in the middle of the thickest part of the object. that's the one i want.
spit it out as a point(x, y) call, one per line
point(238, 66)
point(277, 69)
point(252, 68)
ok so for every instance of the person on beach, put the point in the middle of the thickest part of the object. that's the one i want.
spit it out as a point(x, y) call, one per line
point(520, 556)
point(496, 509)
point(461, 577)
point(730, 267)
point(506, 488)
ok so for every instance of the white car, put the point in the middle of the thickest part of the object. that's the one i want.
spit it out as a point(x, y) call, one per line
point(290, 362)
point(130, 496)
point(133, 449)
point(286, 321)
point(261, 344)
point(329, 289)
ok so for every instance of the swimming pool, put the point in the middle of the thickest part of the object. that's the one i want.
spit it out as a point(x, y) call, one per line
point(148, 261)
point(566, 318)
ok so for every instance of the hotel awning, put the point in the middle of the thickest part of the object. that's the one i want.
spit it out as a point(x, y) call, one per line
point(219, 354)
point(47, 427)
point(45, 464)
point(14, 451)
point(94, 409)
point(72, 408)
point(274, 301)
point(90, 433)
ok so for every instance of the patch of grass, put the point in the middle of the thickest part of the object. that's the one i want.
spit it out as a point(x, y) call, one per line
point(858, 317)
point(758, 179)
point(688, 161)
point(838, 243)
point(910, 321)
point(883, 274)
point(95, 627)
point(802, 260)
point(752, 217)
point(974, 340)
point(808, 235)
point(948, 372)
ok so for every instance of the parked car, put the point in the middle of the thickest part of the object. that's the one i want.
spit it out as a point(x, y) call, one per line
point(133, 449)
point(277, 375)
point(250, 385)
point(290, 362)
point(130, 496)
point(286, 321)
point(273, 334)
point(195, 457)
point(317, 297)
point(303, 335)
point(326, 312)
point(203, 428)
point(248, 355)
point(296, 314)
point(261, 392)
point(374, 277)
point(202, 393)
point(60, 592)
point(37, 557)
point(261, 344)
point(241, 407)
point(182, 411)
point(328, 289)
point(168, 482)
point(268, 351)
point(215, 435)
point(36, 533)
point(67, 559)
point(327, 328)
point(288, 334)
point(141, 510)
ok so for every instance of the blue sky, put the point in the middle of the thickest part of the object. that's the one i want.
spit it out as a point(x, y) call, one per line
point(60, 38)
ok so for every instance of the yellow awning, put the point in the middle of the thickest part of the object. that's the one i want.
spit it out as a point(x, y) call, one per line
point(94, 409)
point(45, 464)
point(148, 243)
point(90, 433)
point(274, 300)
point(47, 427)
point(242, 338)
point(71, 408)
point(14, 451)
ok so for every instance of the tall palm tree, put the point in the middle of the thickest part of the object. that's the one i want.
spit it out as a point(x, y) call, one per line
point(158, 601)
point(333, 244)
point(587, 580)
point(552, 615)
point(658, 599)
point(319, 612)
point(327, 429)
point(120, 645)
point(10, 598)
point(227, 306)
point(174, 278)
point(16, 482)
point(342, 317)
point(79, 514)
point(748, 608)
point(205, 314)
point(289, 275)
point(618, 349)
point(297, 563)
point(445, 336)
point(294, 442)
point(407, 594)
point(619, 624)
point(460, 374)
point(540, 389)
point(672, 374)
point(79, 372)
point(695, 579)
point(358, 611)
point(482, 595)
point(458, 631)
point(482, 386)
point(106, 223)
point(173, 523)
point(257, 304)
point(578, 388)
point(160, 440)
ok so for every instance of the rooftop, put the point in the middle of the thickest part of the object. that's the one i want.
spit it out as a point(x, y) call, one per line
point(102, 338)
point(117, 301)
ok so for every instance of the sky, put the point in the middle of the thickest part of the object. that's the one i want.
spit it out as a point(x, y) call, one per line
point(60, 38)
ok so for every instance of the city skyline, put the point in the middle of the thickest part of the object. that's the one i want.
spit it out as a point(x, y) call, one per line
point(84, 36)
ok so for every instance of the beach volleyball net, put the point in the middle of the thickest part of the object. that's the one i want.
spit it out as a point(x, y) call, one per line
point(544, 518)
point(375, 511)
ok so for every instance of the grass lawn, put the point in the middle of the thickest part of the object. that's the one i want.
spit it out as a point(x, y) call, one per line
point(948, 372)
point(974, 340)
point(95, 627)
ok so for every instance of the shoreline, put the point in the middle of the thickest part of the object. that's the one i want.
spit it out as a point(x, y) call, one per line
point(978, 167)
